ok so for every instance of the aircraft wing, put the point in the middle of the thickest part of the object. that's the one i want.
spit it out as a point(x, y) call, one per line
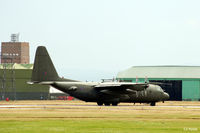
point(121, 86)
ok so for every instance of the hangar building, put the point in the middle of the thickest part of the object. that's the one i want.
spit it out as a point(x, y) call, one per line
point(181, 82)
point(13, 83)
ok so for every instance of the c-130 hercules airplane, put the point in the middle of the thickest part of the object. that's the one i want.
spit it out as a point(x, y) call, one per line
point(106, 93)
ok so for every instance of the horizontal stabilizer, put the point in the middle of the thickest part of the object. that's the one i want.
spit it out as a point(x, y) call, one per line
point(42, 83)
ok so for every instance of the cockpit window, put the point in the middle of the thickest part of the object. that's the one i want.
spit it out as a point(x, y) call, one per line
point(159, 88)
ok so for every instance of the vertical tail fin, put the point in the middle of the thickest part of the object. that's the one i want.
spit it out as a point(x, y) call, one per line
point(43, 69)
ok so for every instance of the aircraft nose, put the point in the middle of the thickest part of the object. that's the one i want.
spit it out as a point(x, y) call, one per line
point(166, 95)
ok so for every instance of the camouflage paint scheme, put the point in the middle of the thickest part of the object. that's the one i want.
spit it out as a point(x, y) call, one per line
point(106, 93)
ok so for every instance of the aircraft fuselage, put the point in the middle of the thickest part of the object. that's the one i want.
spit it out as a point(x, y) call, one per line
point(105, 93)
point(87, 92)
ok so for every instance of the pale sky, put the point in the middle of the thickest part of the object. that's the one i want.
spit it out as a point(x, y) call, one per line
point(91, 40)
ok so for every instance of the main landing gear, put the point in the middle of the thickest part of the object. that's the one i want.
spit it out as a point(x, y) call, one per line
point(116, 103)
point(107, 103)
point(153, 104)
point(100, 103)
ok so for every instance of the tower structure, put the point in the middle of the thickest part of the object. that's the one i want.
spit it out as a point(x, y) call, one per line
point(15, 51)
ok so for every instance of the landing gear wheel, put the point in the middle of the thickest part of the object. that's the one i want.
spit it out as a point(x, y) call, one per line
point(107, 104)
point(100, 103)
point(114, 104)
point(153, 103)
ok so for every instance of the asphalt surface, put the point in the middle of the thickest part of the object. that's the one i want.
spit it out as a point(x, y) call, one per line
point(74, 106)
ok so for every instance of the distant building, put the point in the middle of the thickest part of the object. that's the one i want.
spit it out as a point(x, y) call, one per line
point(14, 85)
point(15, 51)
point(180, 82)
point(15, 72)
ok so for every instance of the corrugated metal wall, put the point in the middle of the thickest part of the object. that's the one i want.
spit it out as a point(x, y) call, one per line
point(191, 90)
point(23, 90)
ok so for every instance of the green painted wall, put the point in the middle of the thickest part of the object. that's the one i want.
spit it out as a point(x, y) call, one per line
point(23, 90)
point(191, 90)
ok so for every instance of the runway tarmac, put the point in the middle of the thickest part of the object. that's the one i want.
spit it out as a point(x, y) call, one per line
point(89, 106)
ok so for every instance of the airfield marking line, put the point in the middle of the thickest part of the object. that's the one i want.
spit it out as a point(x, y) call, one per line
point(48, 105)
point(95, 107)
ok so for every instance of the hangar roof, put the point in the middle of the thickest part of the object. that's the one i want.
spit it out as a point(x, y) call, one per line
point(161, 72)
point(16, 66)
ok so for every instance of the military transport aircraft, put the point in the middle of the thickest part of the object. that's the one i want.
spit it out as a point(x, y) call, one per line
point(106, 93)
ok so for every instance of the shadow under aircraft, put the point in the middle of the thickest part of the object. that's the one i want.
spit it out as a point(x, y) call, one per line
point(103, 93)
